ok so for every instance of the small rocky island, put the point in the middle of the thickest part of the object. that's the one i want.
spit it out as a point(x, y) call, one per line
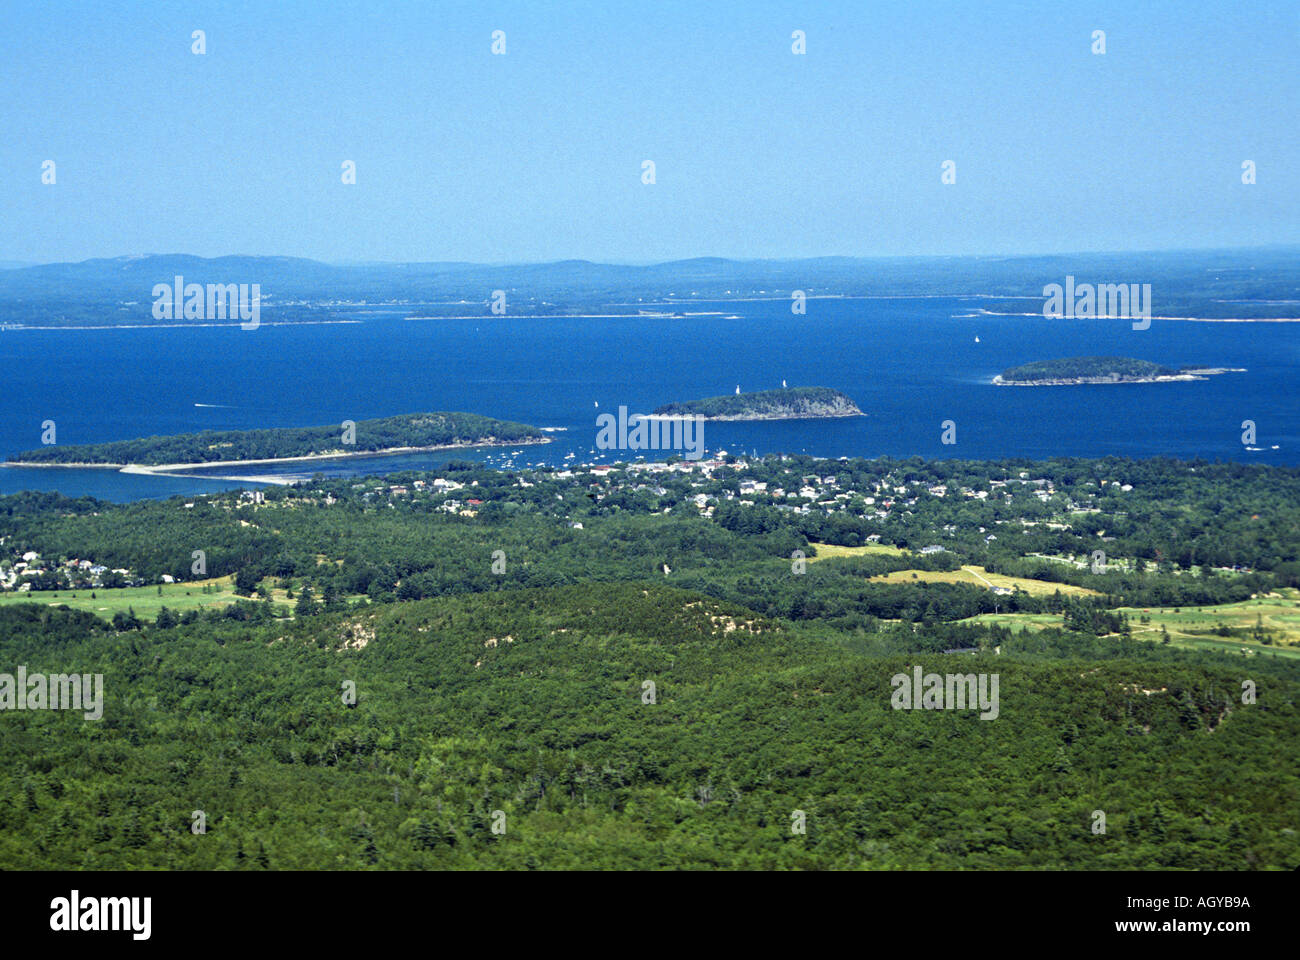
point(1082, 370)
point(788, 403)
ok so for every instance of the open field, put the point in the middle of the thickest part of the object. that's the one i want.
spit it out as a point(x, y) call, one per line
point(1278, 616)
point(1032, 622)
point(147, 601)
point(827, 551)
point(980, 577)
point(1192, 627)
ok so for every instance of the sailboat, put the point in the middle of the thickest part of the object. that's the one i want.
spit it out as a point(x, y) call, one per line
point(977, 339)
point(782, 384)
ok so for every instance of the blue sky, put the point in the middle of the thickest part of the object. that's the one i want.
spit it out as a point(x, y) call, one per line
point(536, 155)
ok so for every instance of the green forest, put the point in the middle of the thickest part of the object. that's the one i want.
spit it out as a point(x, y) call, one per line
point(659, 669)
point(216, 446)
point(1123, 368)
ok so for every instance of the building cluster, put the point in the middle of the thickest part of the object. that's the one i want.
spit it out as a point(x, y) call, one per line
point(29, 570)
point(703, 485)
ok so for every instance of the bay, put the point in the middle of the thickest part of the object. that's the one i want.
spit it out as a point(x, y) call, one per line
point(909, 363)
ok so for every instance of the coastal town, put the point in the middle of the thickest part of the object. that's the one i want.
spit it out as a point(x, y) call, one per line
point(895, 505)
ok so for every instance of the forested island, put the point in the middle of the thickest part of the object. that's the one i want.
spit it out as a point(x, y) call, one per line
point(1076, 370)
point(406, 432)
point(792, 403)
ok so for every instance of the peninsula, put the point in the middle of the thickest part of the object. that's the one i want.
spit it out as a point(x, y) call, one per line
point(406, 433)
point(1086, 370)
point(793, 403)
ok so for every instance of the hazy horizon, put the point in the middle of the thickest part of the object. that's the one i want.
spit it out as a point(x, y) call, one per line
point(17, 263)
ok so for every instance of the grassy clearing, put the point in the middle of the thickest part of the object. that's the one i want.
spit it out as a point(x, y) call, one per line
point(1192, 627)
point(1279, 616)
point(980, 577)
point(826, 551)
point(145, 601)
point(1033, 622)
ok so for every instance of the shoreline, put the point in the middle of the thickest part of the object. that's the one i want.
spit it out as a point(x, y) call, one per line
point(185, 470)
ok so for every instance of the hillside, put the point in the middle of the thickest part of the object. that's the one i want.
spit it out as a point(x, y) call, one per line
point(527, 710)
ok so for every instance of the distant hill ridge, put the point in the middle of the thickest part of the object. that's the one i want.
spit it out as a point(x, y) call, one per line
point(118, 290)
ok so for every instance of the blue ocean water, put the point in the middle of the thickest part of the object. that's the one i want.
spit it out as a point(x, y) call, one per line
point(909, 363)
